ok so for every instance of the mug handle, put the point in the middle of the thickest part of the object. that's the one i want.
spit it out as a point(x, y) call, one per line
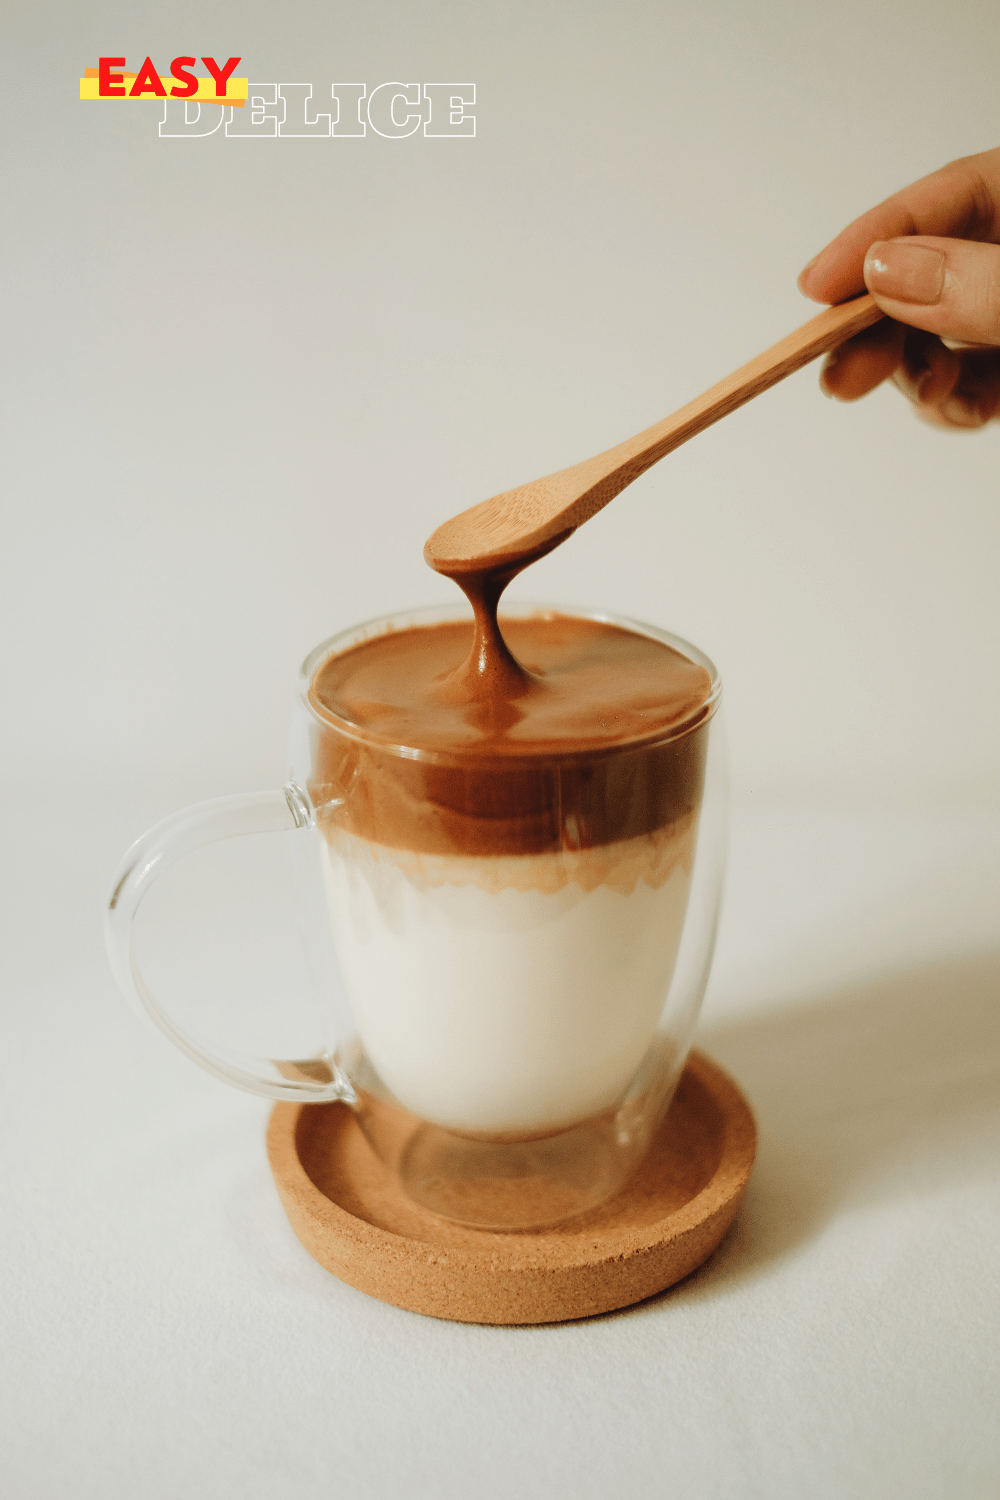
point(312, 1079)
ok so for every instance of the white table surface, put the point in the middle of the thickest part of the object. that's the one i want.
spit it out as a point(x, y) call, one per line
point(166, 1334)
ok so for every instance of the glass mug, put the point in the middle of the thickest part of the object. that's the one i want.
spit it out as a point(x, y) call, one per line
point(516, 1023)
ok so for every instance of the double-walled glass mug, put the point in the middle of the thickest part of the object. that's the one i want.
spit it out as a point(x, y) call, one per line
point(516, 1021)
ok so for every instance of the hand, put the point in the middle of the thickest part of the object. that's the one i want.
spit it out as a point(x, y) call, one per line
point(930, 256)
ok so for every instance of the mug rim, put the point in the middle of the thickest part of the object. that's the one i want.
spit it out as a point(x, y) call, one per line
point(435, 614)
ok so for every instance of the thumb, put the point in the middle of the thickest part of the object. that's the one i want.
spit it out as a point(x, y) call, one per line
point(948, 287)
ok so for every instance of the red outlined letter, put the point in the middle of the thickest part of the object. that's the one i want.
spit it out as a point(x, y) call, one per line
point(220, 74)
point(147, 81)
point(179, 69)
point(105, 77)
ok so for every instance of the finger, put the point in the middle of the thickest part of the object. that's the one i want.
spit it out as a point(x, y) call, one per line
point(975, 398)
point(928, 373)
point(949, 389)
point(961, 201)
point(934, 417)
point(956, 416)
point(863, 362)
point(947, 287)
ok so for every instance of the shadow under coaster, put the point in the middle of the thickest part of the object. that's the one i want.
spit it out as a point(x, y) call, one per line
point(352, 1216)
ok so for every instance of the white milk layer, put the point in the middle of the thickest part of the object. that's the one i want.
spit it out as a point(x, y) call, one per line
point(508, 995)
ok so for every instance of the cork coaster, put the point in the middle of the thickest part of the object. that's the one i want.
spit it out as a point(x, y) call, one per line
point(353, 1217)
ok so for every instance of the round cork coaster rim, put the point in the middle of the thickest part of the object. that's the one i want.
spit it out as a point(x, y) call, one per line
point(371, 1258)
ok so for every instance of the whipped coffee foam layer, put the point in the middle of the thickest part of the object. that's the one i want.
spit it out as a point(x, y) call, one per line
point(601, 738)
point(588, 685)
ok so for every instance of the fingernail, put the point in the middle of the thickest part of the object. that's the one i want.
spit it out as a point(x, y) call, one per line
point(960, 413)
point(905, 272)
point(828, 364)
point(803, 275)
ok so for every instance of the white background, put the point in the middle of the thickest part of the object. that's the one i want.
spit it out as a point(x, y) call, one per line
point(244, 380)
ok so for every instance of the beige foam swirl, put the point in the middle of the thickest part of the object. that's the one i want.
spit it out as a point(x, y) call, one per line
point(650, 857)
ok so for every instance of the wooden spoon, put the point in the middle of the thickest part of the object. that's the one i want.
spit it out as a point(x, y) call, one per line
point(535, 517)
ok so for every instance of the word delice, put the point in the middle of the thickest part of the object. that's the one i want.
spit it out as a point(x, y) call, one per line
point(289, 110)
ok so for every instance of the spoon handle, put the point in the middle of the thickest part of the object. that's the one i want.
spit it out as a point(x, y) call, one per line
point(822, 333)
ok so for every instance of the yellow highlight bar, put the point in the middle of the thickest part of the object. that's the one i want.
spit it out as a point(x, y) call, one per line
point(237, 90)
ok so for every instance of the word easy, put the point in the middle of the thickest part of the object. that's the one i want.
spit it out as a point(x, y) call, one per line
point(288, 110)
point(183, 83)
